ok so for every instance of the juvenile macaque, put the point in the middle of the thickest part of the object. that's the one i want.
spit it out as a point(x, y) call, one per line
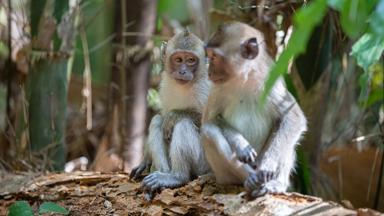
point(244, 142)
point(174, 147)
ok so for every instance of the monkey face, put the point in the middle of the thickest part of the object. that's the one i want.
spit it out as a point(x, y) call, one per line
point(183, 65)
point(219, 70)
point(231, 51)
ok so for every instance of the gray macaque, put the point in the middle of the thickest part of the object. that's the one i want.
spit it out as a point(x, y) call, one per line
point(244, 142)
point(174, 144)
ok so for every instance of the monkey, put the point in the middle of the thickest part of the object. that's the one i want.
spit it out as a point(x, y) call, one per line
point(245, 142)
point(173, 146)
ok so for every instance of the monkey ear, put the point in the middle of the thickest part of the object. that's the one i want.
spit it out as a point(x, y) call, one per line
point(249, 49)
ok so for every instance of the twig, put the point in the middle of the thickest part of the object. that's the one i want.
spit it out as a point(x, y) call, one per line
point(87, 90)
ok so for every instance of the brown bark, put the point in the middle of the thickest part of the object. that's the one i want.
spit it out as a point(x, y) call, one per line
point(142, 15)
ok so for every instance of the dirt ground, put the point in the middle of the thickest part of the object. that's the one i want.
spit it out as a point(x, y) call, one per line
point(92, 193)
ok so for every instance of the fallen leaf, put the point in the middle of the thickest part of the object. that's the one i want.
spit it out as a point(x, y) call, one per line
point(179, 210)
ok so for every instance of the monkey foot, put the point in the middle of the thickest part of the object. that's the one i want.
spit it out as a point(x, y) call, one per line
point(260, 189)
point(157, 181)
point(256, 183)
point(136, 172)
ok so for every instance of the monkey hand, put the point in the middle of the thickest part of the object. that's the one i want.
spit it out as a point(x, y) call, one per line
point(255, 183)
point(170, 119)
point(174, 116)
point(246, 154)
point(137, 171)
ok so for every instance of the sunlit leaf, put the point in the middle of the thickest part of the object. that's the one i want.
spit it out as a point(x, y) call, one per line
point(303, 28)
point(367, 50)
point(20, 208)
point(51, 207)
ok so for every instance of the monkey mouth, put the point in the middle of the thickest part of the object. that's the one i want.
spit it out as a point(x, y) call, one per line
point(182, 81)
point(217, 80)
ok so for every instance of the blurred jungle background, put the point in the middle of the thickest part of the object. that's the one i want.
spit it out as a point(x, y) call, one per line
point(79, 83)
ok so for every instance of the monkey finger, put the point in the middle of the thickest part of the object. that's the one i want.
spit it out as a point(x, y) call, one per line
point(133, 172)
point(252, 182)
point(154, 187)
point(271, 175)
point(150, 177)
point(259, 192)
point(149, 196)
point(148, 182)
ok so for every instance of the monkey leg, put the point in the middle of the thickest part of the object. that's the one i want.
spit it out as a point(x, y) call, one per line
point(186, 157)
point(222, 159)
point(154, 150)
point(271, 181)
point(157, 148)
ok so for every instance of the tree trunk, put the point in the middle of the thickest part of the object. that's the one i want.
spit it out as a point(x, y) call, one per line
point(47, 96)
point(47, 84)
point(142, 15)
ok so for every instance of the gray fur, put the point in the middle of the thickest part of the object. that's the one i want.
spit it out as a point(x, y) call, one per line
point(246, 143)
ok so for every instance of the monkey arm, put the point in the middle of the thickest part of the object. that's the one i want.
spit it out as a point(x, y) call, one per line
point(244, 151)
point(174, 116)
point(279, 151)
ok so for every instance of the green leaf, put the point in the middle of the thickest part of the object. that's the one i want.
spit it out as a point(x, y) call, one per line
point(376, 20)
point(336, 4)
point(354, 15)
point(367, 50)
point(20, 208)
point(303, 28)
point(51, 207)
point(37, 8)
point(174, 10)
point(375, 96)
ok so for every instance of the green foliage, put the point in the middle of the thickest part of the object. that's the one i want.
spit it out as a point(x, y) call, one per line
point(368, 49)
point(302, 177)
point(376, 21)
point(302, 31)
point(357, 17)
point(3, 50)
point(20, 208)
point(153, 99)
point(96, 16)
point(353, 15)
point(51, 207)
point(173, 10)
point(311, 65)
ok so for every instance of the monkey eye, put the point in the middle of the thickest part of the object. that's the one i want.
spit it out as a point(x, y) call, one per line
point(191, 61)
point(178, 60)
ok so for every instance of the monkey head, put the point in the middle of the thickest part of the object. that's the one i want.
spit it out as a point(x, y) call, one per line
point(233, 51)
point(184, 57)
